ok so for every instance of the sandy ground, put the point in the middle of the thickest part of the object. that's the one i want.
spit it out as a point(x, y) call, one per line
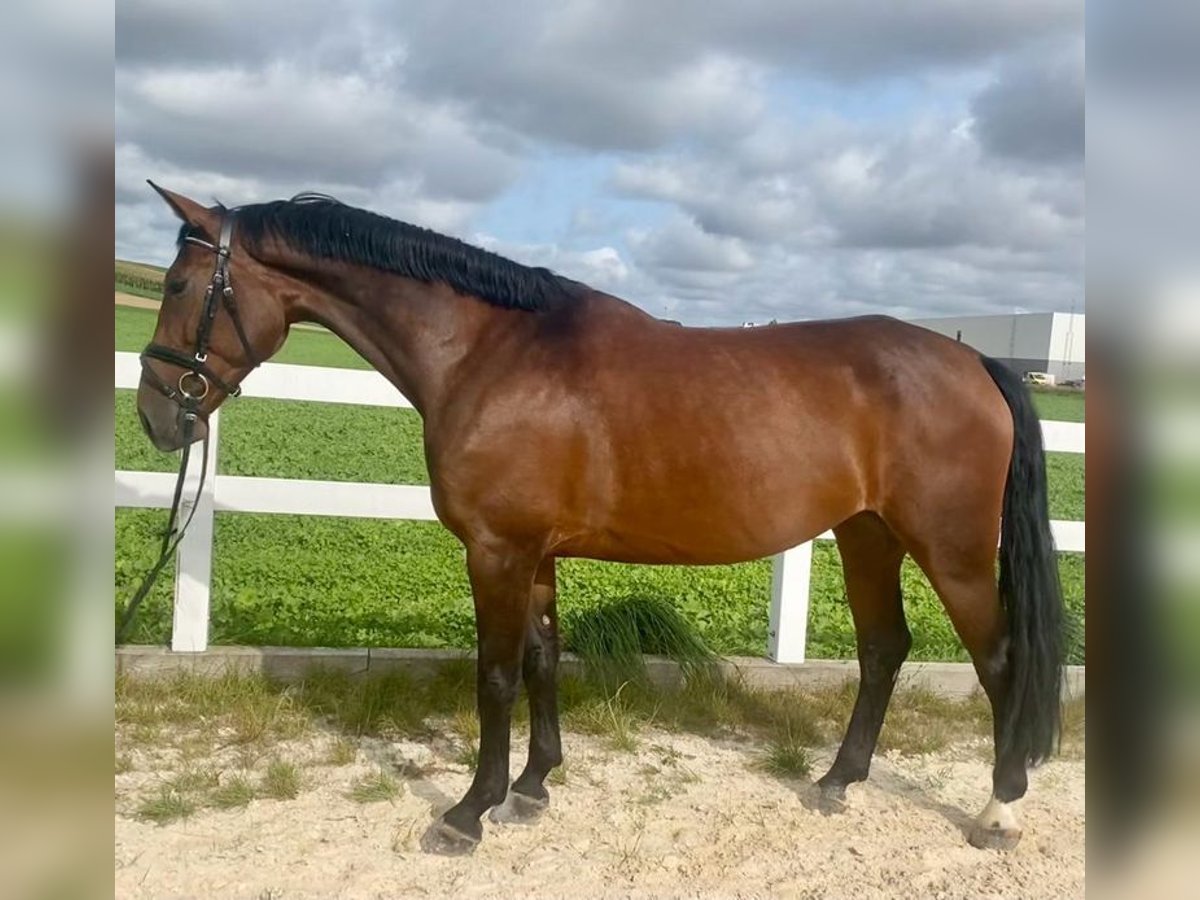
point(683, 816)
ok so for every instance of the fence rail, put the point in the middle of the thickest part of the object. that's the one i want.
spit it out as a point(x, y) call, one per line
point(791, 570)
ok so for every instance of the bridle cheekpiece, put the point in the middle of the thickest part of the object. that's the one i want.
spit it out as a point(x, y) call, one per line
point(194, 383)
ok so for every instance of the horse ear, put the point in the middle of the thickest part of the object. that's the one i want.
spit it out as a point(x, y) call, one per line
point(188, 210)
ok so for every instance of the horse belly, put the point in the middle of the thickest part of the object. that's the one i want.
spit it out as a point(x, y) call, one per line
point(712, 511)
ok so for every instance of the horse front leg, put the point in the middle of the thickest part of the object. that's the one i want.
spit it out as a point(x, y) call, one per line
point(501, 582)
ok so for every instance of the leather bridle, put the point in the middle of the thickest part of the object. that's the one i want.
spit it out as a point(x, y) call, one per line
point(189, 393)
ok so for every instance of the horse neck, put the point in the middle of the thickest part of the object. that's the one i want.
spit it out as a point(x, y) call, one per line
point(415, 334)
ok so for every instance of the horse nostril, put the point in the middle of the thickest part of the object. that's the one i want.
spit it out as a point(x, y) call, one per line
point(145, 422)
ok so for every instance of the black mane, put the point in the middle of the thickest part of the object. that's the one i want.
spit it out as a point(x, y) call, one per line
point(325, 228)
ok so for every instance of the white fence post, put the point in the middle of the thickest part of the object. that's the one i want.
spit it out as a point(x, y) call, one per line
point(788, 624)
point(193, 559)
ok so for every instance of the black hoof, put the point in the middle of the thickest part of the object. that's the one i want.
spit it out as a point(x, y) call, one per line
point(994, 838)
point(519, 809)
point(446, 840)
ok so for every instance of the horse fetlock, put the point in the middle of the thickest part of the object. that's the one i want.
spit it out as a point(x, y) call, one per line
point(842, 774)
point(549, 757)
point(493, 796)
point(530, 785)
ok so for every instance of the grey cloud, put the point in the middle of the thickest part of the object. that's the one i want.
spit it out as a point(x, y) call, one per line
point(619, 75)
point(600, 109)
point(629, 74)
point(601, 267)
point(1146, 48)
point(249, 102)
point(219, 33)
point(711, 190)
point(852, 40)
point(347, 129)
point(1034, 110)
point(429, 111)
point(145, 228)
point(864, 187)
point(856, 218)
point(842, 282)
point(682, 246)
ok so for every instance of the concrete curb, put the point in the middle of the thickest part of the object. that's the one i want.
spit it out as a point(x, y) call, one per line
point(293, 663)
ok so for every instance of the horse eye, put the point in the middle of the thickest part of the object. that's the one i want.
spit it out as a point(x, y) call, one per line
point(176, 287)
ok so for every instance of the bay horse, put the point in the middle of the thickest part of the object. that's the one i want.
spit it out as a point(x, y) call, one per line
point(560, 421)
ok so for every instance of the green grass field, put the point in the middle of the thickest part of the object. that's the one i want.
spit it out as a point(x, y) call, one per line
point(1060, 404)
point(351, 582)
point(304, 347)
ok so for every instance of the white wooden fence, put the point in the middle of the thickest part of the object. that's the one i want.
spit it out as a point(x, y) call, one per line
point(232, 493)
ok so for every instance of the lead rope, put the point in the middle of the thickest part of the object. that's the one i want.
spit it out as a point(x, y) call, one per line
point(172, 536)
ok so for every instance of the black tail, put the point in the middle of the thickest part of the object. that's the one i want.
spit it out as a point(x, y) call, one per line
point(1029, 586)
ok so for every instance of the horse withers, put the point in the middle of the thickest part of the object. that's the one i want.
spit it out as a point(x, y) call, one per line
point(561, 421)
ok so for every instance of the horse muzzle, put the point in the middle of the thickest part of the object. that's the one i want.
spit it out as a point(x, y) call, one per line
point(163, 420)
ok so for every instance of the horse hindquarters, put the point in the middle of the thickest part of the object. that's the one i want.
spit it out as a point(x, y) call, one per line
point(1013, 630)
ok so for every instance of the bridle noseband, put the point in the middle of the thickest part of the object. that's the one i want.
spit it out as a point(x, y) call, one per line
point(193, 384)
point(189, 393)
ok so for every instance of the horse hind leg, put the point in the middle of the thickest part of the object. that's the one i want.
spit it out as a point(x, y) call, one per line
point(871, 560)
point(965, 581)
point(528, 797)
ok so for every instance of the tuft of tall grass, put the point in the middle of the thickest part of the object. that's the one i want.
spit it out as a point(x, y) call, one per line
point(786, 756)
point(374, 788)
point(615, 717)
point(390, 705)
point(166, 806)
point(341, 752)
point(252, 707)
point(191, 781)
point(234, 793)
point(281, 781)
point(613, 639)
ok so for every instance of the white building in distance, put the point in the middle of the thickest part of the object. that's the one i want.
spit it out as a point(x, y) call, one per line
point(1026, 342)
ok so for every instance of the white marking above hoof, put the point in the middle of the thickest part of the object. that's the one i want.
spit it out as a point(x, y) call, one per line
point(999, 815)
point(997, 827)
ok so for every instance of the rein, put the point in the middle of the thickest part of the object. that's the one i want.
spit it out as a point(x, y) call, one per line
point(189, 393)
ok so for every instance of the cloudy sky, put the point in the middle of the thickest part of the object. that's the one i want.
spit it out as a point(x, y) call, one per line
point(711, 162)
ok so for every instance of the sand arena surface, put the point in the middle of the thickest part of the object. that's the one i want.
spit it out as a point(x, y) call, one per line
point(682, 816)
